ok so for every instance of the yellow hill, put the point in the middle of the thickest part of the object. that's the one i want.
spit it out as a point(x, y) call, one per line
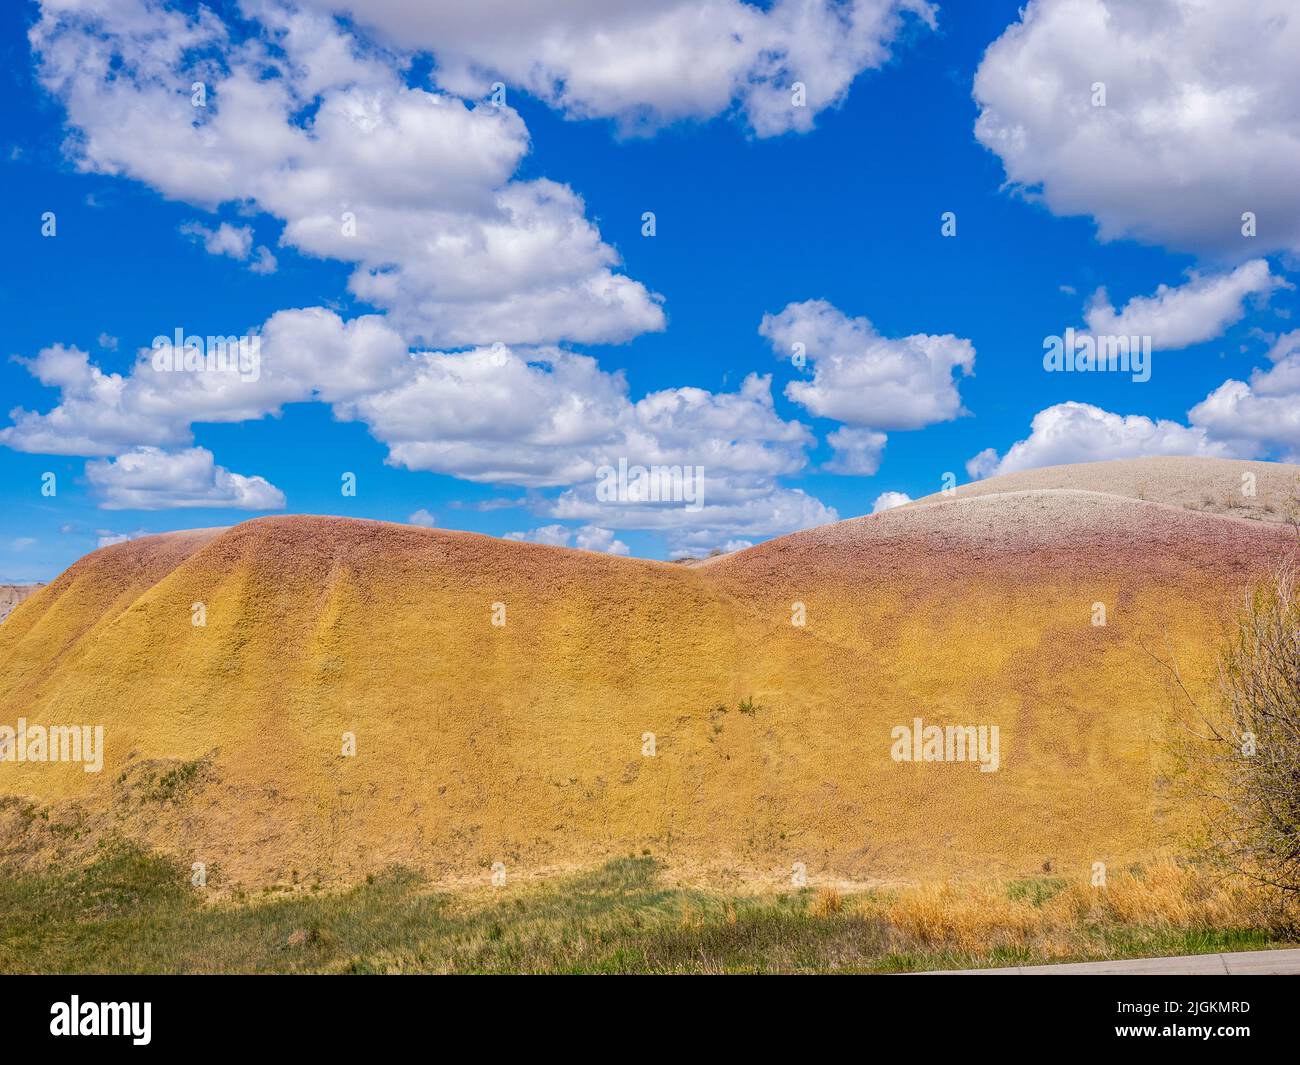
point(523, 743)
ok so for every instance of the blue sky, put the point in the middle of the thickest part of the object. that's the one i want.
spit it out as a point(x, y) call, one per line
point(759, 209)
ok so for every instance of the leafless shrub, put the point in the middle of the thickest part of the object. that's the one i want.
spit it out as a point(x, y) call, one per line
point(1241, 755)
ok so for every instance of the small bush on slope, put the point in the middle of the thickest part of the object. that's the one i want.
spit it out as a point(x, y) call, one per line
point(1243, 757)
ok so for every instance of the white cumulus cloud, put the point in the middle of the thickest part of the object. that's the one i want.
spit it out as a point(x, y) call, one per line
point(1200, 124)
point(1177, 317)
point(1256, 415)
point(415, 188)
point(857, 451)
point(866, 379)
point(107, 537)
point(587, 537)
point(889, 500)
point(235, 242)
point(534, 417)
point(1080, 432)
point(648, 62)
point(149, 478)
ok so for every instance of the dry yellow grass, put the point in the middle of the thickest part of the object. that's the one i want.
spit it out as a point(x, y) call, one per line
point(525, 744)
point(827, 902)
point(965, 917)
point(1053, 917)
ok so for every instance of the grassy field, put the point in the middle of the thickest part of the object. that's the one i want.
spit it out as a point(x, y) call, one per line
point(129, 911)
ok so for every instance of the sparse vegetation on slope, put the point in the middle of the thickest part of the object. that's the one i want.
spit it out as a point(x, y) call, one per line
point(130, 912)
point(1242, 753)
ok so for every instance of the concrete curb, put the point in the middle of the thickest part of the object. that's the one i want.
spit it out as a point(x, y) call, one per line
point(1243, 963)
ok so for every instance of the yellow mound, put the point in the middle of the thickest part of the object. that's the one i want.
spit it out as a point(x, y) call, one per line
point(527, 743)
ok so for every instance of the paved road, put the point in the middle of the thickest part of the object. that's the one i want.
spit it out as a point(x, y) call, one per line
point(1245, 963)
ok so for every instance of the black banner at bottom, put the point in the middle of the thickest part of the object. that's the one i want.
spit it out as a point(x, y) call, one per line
point(149, 1014)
